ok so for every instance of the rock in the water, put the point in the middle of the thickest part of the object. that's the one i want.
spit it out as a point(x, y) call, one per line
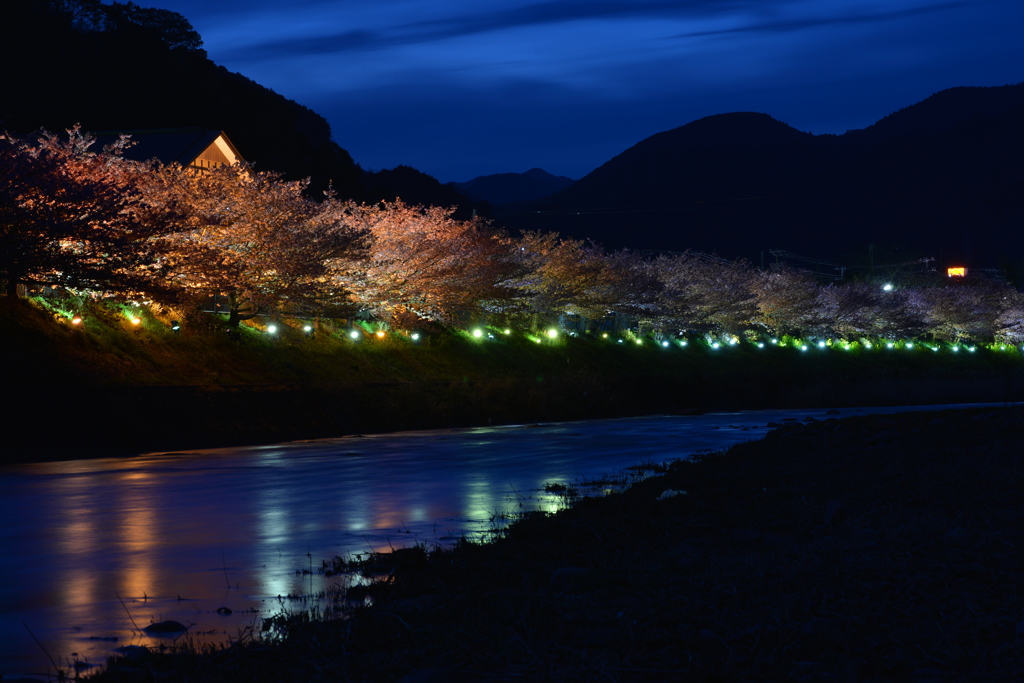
point(164, 627)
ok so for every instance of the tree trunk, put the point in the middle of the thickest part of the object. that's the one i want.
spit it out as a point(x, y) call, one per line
point(237, 312)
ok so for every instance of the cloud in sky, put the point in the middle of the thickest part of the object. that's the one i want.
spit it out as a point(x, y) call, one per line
point(463, 88)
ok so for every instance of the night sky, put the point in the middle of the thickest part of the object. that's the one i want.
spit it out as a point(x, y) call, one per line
point(461, 88)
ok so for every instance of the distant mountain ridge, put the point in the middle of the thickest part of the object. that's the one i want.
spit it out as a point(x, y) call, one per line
point(941, 178)
point(502, 188)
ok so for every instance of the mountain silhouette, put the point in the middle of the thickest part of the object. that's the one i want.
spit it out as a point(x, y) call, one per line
point(416, 187)
point(941, 178)
point(502, 188)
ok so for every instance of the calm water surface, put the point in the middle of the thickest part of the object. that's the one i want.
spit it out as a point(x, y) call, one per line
point(91, 546)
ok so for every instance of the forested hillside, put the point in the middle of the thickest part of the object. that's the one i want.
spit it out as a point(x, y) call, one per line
point(125, 67)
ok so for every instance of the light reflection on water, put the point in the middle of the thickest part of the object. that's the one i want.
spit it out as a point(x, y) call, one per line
point(178, 535)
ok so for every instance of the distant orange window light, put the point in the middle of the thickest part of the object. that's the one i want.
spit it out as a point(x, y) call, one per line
point(959, 271)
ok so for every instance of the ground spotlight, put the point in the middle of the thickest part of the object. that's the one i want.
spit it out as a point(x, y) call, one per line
point(552, 333)
point(478, 333)
point(354, 334)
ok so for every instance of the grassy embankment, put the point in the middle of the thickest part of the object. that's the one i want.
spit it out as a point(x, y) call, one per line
point(107, 386)
point(868, 549)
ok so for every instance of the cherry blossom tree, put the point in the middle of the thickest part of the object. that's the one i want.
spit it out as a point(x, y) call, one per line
point(557, 276)
point(70, 216)
point(634, 288)
point(785, 298)
point(423, 264)
point(705, 293)
point(863, 309)
point(972, 309)
point(252, 236)
point(1010, 323)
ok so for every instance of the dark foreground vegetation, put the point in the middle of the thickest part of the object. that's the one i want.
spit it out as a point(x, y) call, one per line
point(862, 549)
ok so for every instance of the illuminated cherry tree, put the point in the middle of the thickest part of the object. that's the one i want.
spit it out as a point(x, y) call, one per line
point(252, 236)
point(705, 293)
point(557, 276)
point(785, 299)
point(70, 216)
point(422, 264)
point(1010, 323)
point(973, 309)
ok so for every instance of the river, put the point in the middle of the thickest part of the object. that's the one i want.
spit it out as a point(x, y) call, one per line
point(96, 549)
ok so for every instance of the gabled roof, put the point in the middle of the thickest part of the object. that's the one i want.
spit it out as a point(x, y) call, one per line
point(174, 145)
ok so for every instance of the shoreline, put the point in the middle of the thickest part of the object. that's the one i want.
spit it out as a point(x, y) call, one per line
point(868, 548)
point(125, 420)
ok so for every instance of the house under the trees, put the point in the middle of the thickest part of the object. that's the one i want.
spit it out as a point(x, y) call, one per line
point(191, 147)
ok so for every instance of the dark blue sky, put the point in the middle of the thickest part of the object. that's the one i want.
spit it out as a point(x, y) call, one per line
point(461, 88)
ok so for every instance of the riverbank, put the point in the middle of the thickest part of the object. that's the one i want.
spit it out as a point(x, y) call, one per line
point(881, 548)
point(111, 388)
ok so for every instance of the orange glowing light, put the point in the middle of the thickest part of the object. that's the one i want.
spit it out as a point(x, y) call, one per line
point(958, 271)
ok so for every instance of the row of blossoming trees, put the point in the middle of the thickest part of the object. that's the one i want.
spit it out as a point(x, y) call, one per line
point(78, 218)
